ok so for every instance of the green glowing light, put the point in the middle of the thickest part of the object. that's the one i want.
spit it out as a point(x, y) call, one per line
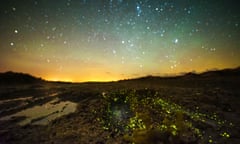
point(174, 133)
point(225, 134)
point(130, 111)
point(115, 99)
point(173, 126)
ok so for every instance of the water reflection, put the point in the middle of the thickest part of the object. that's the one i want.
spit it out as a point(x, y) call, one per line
point(42, 115)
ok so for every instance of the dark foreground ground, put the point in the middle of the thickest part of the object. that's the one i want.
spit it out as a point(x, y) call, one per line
point(179, 110)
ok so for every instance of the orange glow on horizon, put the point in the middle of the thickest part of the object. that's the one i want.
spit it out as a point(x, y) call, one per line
point(104, 77)
point(86, 78)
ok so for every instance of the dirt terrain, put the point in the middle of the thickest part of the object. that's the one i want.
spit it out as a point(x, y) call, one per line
point(187, 109)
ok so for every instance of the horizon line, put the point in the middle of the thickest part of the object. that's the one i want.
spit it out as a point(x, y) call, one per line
point(163, 75)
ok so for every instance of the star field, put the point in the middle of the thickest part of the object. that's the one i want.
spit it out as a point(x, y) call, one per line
point(102, 40)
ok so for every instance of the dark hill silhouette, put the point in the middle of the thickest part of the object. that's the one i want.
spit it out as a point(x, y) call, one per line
point(208, 74)
point(18, 78)
point(23, 78)
point(224, 72)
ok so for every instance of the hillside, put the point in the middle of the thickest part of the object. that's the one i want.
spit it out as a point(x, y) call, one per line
point(188, 109)
point(17, 78)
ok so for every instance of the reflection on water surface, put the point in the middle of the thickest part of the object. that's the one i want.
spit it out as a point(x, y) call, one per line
point(43, 114)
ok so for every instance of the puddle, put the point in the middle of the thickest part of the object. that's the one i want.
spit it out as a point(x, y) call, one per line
point(42, 115)
point(54, 94)
point(16, 99)
point(23, 101)
point(28, 98)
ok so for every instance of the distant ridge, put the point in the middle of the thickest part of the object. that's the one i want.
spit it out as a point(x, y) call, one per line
point(23, 78)
point(192, 75)
point(224, 72)
point(18, 78)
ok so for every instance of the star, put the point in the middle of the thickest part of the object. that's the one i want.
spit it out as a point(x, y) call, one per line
point(14, 9)
point(15, 31)
point(138, 9)
point(156, 36)
point(176, 41)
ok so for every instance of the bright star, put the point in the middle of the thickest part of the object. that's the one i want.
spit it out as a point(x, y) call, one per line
point(176, 41)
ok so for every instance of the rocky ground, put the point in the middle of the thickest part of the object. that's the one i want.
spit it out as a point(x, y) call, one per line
point(162, 111)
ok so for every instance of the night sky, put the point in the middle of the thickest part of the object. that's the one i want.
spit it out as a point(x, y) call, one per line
point(104, 40)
